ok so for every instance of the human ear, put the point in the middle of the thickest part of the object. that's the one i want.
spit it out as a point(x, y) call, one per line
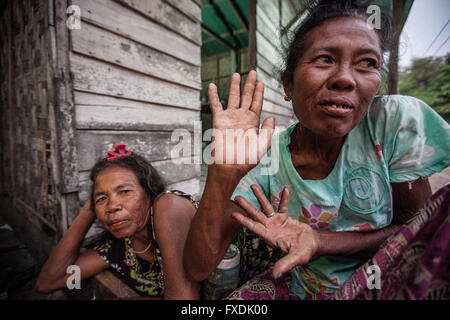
point(287, 90)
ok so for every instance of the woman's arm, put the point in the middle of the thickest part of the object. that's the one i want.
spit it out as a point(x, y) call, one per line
point(53, 275)
point(172, 216)
point(408, 198)
point(213, 228)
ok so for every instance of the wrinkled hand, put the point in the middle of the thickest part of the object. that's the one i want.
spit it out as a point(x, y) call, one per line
point(237, 139)
point(297, 239)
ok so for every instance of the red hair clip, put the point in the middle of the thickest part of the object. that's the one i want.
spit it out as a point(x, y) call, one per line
point(120, 152)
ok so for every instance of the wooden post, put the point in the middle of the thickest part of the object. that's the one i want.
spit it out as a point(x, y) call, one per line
point(252, 35)
point(397, 12)
point(65, 118)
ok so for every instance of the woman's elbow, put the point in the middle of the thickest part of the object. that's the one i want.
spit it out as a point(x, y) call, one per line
point(43, 286)
point(191, 274)
point(195, 270)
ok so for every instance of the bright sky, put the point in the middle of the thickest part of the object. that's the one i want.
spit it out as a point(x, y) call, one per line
point(425, 21)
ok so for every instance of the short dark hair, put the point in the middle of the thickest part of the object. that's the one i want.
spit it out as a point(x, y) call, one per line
point(147, 176)
point(317, 13)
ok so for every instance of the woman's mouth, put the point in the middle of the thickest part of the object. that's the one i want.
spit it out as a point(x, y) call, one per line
point(119, 224)
point(336, 109)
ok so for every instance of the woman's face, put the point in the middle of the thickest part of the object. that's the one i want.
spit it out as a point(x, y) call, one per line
point(121, 204)
point(337, 76)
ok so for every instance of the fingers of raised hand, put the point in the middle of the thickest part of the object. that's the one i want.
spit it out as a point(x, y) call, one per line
point(258, 96)
point(214, 100)
point(234, 97)
point(248, 91)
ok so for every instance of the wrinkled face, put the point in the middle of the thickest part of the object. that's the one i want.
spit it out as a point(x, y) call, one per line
point(337, 76)
point(121, 204)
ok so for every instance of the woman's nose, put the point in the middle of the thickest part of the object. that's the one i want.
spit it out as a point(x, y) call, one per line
point(113, 205)
point(342, 80)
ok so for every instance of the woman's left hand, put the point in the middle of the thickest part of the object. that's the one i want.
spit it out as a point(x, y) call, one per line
point(297, 239)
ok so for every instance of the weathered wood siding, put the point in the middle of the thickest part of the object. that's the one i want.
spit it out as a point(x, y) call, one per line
point(270, 15)
point(135, 66)
point(30, 198)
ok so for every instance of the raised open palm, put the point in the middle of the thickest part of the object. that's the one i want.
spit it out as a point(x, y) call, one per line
point(237, 139)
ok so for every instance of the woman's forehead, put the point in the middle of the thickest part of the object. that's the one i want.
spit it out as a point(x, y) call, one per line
point(343, 31)
point(116, 176)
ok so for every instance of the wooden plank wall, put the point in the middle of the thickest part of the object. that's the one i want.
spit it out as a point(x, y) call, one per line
point(270, 15)
point(136, 78)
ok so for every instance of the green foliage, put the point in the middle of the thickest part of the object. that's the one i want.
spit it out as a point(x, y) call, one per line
point(428, 79)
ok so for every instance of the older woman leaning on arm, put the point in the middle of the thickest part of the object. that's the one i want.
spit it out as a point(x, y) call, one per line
point(350, 171)
point(146, 230)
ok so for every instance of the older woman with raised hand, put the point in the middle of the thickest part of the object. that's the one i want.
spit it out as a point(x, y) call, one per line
point(351, 171)
point(146, 230)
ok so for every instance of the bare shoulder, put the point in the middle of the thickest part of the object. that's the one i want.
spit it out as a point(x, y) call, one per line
point(170, 206)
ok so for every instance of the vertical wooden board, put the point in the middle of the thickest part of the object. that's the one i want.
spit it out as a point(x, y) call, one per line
point(117, 18)
point(98, 77)
point(102, 112)
point(168, 16)
point(110, 47)
point(64, 108)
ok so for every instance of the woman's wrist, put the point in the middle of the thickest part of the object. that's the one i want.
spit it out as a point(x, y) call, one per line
point(87, 212)
point(351, 242)
point(321, 243)
point(227, 173)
